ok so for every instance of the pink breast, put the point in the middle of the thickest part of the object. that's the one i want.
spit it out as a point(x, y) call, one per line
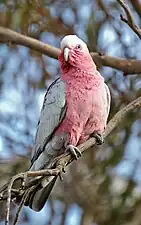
point(78, 111)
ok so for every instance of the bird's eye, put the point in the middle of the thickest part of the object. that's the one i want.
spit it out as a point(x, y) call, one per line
point(78, 46)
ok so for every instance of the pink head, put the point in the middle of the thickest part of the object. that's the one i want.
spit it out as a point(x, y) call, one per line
point(74, 53)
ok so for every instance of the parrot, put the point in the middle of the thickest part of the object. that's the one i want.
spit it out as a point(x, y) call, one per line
point(76, 107)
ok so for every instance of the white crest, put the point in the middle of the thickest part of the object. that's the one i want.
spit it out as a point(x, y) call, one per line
point(71, 41)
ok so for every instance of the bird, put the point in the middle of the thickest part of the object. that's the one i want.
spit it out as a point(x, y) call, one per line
point(76, 106)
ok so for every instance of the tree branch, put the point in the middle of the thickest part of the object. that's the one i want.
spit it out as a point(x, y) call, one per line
point(124, 65)
point(137, 6)
point(10, 36)
point(130, 19)
point(127, 66)
point(60, 162)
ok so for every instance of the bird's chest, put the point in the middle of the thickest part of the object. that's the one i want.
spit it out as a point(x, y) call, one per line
point(79, 102)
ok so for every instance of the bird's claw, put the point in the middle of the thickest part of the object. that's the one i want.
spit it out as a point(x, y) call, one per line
point(62, 170)
point(60, 176)
point(74, 151)
point(99, 138)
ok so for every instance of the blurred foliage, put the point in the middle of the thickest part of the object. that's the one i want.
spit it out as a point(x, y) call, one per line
point(102, 188)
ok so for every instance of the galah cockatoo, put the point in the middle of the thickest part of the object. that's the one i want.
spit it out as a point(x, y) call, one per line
point(76, 106)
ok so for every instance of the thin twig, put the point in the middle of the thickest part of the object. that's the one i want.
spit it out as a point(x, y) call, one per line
point(9, 194)
point(44, 172)
point(20, 207)
point(14, 192)
point(25, 185)
point(3, 188)
point(127, 11)
point(8, 202)
point(130, 18)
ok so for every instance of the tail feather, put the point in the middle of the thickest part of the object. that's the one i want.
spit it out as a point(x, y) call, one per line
point(39, 196)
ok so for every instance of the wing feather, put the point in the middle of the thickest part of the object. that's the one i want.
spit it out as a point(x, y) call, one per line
point(52, 113)
point(108, 97)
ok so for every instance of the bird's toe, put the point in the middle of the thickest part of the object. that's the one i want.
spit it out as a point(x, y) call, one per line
point(99, 138)
point(76, 153)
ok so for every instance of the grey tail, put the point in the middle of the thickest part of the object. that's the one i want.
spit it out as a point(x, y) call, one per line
point(38, 196)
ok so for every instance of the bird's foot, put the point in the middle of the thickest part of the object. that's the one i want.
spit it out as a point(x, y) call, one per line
point(99, 138)
point(74, 151)
point(60, 176)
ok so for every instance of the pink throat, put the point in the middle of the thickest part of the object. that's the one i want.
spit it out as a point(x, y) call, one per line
point(79, 67)
point(78, 60)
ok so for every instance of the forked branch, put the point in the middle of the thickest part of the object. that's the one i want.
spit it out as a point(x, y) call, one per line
point(130, 19)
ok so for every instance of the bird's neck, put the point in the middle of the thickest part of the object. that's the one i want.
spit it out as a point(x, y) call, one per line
point(76, 77)
point(79, 73)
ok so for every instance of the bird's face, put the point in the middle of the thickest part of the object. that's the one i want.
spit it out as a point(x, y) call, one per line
point(75, 54)
point(72, 48)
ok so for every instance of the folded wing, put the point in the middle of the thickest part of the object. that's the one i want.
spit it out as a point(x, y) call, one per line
point(52, 113)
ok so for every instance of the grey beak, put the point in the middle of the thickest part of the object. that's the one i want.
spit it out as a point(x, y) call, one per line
point(66, 54)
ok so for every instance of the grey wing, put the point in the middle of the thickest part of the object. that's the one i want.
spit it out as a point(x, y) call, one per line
point(52, 113)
